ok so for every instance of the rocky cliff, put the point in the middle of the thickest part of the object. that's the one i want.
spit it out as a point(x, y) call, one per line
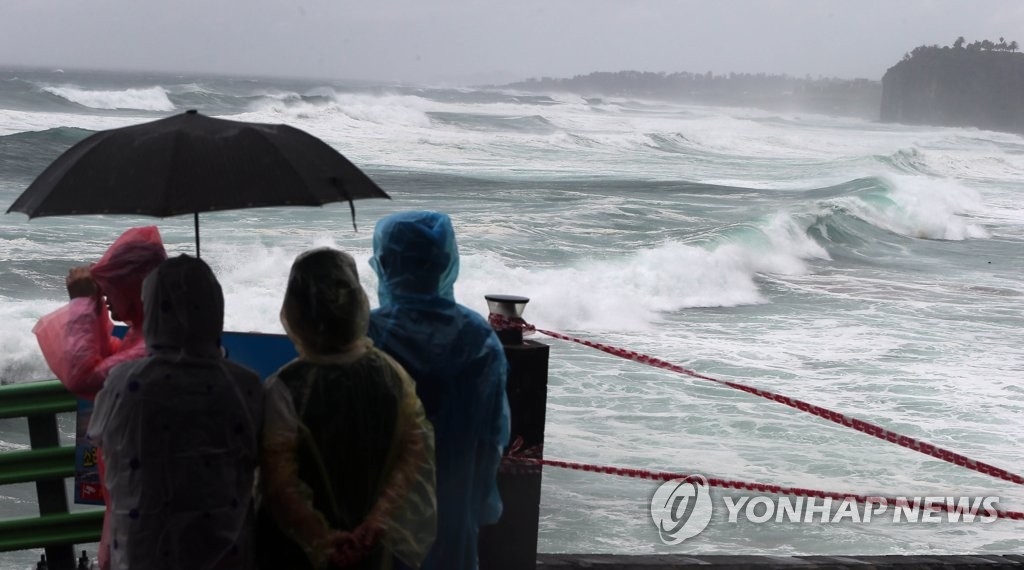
point(956, 86)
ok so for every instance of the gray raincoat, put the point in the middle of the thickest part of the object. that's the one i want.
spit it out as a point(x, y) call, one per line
point(179, 431)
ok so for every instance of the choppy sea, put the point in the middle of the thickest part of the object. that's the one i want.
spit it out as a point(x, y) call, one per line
point(873, 269)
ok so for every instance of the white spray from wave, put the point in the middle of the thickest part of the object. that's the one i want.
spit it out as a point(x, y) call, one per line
point(633, 291)
point(147, 99)
point(22, 360)
point(621, 293)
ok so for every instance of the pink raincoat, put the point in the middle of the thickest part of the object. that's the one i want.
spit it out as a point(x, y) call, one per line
point(76, 339)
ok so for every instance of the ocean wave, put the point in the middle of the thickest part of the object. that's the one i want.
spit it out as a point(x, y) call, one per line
point(919, 207)
point(629, 292)
point(60, 135)
point(870, 218)
point(327, 105)
point(14, 121)
point(496, 123)
point(910, 160)
point(141, 99)
point(24, 155)
point(675, 143)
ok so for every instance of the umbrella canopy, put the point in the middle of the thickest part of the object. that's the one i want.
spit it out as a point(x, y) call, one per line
point(191, 163)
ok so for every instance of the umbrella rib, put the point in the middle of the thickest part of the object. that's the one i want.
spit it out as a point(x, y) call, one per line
point(92, 148)
point(168, 178)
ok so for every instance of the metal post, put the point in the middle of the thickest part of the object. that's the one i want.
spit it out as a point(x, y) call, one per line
point(53, 499)
point(512, 542)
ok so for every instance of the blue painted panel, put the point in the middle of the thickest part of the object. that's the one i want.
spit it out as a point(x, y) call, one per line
point(264, 353)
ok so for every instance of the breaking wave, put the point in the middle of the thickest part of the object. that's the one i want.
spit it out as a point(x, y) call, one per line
point(142, 99)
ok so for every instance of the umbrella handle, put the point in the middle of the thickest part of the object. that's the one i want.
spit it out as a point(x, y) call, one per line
point(351, 205)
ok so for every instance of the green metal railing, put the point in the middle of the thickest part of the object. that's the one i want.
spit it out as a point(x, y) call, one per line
point(47, 464)
point(51, 530)
point(35, 398)
point(34, 464)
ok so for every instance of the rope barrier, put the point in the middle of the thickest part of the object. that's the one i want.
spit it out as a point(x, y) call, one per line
point(500, 322)
point(511, 461)
point(741, 485)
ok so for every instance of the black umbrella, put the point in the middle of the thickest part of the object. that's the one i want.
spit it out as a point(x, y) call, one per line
point(191, 163)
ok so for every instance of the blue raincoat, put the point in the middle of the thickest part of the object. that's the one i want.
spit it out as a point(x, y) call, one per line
point(459, 367)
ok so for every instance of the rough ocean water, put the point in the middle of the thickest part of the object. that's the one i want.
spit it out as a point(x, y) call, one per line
point(873, 269)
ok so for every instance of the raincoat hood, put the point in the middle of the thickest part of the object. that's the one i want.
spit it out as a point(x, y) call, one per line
point(460, 370)
point(325, 308)
point(122, 269)
point(415, 258)
point(184, 308)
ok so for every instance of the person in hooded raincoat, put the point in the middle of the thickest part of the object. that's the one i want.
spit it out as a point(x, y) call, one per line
point(76, 340)
point(179, 432)
point(347, 468)
point(460, 371)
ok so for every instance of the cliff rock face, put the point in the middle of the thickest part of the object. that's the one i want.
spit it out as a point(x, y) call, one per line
point(956, 87)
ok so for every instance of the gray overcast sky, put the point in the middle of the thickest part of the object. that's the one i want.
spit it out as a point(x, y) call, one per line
point(482, 40)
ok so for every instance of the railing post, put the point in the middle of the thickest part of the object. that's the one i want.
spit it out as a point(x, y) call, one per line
point(53, 499)
point(512, 542)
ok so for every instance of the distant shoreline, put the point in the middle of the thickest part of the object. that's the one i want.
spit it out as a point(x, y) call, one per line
point(859, 98)
point(830, 96)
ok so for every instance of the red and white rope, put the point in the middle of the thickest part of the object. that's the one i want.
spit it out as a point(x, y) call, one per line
point(501, 322)
point(742, 485)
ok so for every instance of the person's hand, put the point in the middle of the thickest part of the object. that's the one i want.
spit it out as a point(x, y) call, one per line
point(344, 550)
point(349, 548)
point(80, 283)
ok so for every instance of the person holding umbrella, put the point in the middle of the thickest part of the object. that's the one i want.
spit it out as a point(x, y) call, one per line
point(76, 340)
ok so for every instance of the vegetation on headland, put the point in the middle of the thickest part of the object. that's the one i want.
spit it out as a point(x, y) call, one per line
point(834, 96)
point(980, 84)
